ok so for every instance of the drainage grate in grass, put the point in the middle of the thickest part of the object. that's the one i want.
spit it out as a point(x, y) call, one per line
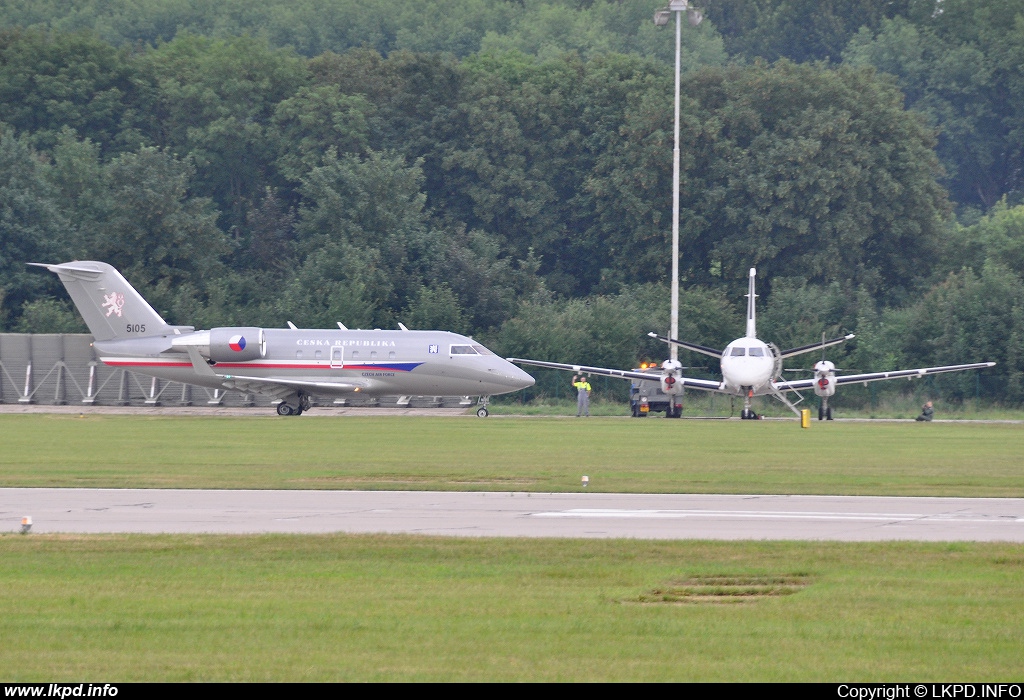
point(725, 588)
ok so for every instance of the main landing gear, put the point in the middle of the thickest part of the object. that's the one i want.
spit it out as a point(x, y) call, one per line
point(294, 406)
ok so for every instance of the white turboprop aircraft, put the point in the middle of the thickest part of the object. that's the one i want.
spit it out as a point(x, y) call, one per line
point(750, 367)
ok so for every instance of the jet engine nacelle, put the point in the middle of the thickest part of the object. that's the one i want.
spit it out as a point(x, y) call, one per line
point(824, 378)
point(671, 384)
point(226, 344)
point(237, 344)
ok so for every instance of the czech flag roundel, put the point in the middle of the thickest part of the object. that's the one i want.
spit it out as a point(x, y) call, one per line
point(237, 343)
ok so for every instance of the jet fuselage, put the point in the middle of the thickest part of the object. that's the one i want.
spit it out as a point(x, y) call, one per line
point(377, 362)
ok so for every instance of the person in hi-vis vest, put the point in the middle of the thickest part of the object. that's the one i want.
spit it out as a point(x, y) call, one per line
point(583, 396)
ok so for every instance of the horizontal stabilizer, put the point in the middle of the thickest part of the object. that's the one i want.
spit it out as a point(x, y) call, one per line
point(816, 346)
point(689, 346)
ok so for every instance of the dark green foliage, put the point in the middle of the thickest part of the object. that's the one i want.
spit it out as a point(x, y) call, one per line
point(972, 314)
point(812, 173)
point(53, 81)
point(611, 331)
point(217, 101)
point(246, 164)
point(798, 313)
point(32, 226)
point(965, 78)
point(49, 316)
point(800, 30)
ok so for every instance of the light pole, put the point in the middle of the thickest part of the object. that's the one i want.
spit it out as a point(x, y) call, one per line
point(661, 17)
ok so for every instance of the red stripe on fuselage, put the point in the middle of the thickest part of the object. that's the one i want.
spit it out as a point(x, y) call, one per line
point(252, 365)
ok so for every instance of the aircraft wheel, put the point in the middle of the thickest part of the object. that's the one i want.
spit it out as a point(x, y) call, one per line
point(304, 403)
point(482, 412)
point(284, 409)
point(298, 411)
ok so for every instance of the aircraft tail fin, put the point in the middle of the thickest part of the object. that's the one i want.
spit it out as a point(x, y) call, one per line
point(111, 307)
point(751, 321)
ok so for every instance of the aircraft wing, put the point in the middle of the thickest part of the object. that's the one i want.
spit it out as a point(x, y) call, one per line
point(704, 384)
point(880, 376)
point(278, 387)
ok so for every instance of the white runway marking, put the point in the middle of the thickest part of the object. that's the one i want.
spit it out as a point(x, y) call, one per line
point(756, 514)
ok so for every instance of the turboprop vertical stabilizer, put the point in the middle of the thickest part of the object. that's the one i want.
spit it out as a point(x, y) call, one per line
point(751, 323)
point(110, 306)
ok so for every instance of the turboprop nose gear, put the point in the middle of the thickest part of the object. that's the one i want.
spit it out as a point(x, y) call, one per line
point(748, 413)
point(824, 410)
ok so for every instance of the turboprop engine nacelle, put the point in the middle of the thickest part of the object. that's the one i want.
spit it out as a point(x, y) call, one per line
point(670, 382)
point(226, 344)
point(824, 378)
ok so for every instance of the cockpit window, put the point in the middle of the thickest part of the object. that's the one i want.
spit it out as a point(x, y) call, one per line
point(463, 350)
point(482, 350)
point(757, 352)
point(738, 352)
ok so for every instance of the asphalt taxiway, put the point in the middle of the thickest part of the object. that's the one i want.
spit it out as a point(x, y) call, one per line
point(508, 514)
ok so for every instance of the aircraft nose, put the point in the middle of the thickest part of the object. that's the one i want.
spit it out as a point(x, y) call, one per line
point(513, 377)
point(522, 379)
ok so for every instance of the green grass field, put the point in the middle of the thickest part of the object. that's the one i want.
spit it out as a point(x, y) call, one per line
point(344, 607)
point(523, 454)
point(402, 608)
point(888, 405)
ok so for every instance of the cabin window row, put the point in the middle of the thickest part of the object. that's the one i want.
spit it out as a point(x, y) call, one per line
point(454, 350)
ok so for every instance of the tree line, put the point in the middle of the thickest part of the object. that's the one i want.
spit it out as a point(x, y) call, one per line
point(519, 188)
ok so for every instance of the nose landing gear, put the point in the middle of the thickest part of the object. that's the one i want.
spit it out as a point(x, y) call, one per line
point(748, 413)
point(824, 410)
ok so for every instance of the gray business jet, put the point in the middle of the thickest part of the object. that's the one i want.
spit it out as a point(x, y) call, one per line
point(288, 364)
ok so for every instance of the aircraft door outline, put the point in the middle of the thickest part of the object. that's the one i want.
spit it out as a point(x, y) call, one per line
point(337, 357)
